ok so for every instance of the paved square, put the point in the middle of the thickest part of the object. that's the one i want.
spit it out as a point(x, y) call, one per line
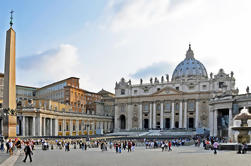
point(182, 156)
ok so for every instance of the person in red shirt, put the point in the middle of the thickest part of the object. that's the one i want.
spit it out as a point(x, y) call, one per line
point(169, 146)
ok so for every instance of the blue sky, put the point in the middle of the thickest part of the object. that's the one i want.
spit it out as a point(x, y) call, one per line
point(101, 41)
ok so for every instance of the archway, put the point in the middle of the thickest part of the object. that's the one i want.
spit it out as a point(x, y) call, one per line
point(122, 122)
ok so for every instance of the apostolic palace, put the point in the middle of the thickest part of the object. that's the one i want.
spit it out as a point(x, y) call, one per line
point(190, 100)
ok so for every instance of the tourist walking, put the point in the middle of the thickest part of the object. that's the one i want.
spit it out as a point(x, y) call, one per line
point(133, 146)
point(169, 146)
point(2, 146)
point(28, 152)
point(129, 144)
point(11, 147)
point(215, 145)
point(163, 146)
point(7, 147)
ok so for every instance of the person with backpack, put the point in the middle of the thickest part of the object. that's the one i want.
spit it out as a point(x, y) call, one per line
point(28, 152)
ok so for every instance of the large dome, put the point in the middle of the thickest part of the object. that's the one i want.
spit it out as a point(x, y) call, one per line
point(189, 68)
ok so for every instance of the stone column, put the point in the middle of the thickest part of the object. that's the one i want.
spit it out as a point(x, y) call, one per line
point(97, 124)
point(102, 125)
point(105, 126)
point(39, 126)
point(154, 115)
point(197, 114)
point(50, 126)
point(140, 116)
point(70, 127)
point(161, 115)
point(116, 119)
point(82, 126)
point(185, 116)
point(93, 128)
point(27, 133)
point(44, 126)
point(23, 126)
point(33, 126)
point(150, 117)
point(230, 124)
point(56, 127)
point(172, 116)
point(180, 115)
point(129, 116)
point(215, 122)
point(109, 126)
point(77, 127)
point(211, 122)
point(63, 127)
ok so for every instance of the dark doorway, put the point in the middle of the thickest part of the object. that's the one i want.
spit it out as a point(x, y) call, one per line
point(146, 122)
point(167, 123)
point(223, 122)
point(122, 122)
point(176, 124)
point(191, 123)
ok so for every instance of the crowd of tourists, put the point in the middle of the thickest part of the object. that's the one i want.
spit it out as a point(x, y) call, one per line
point(14, 145)
point(118, 146)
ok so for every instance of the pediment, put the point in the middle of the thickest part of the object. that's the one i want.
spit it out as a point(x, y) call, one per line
point(167, 91)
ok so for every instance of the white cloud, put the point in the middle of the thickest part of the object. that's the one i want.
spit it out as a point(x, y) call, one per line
point(149, 31)
point(50, 66)
point(133, 34)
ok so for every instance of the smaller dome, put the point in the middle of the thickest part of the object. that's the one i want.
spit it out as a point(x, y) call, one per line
point(190, 67)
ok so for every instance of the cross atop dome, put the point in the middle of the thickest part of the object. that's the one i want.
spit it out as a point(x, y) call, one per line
point(11, 18)
point(189, 54)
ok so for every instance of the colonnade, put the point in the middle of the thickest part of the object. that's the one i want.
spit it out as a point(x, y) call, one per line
point(213, 122)
point(182, 114)
point(49, 126)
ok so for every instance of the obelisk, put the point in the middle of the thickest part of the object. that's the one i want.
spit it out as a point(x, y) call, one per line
point(9, 94)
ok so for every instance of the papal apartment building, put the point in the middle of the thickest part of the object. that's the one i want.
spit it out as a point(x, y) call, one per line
point(59, 109)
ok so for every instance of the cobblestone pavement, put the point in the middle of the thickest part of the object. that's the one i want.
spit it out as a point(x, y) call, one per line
point(3, 156)
point(182, 156)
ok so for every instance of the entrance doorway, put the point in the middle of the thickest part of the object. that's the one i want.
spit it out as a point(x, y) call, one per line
point(176, 124)
point(191, 123)
point(167, 123)
point(122, 122)
point(146, 123)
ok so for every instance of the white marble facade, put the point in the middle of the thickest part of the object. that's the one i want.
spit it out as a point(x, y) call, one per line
point(180, 102)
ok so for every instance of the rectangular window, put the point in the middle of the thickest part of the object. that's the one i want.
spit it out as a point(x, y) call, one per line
point(221, 84)
point(191, 106)
point(135, 91)
point(122, 91)
point(168, 107)
point(177, 106)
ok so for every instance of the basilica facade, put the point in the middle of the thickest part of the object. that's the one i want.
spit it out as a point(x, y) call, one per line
point(179, 103)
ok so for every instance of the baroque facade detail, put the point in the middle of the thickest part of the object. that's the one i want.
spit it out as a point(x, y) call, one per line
point(179, 103)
